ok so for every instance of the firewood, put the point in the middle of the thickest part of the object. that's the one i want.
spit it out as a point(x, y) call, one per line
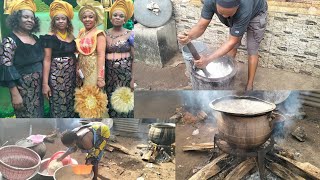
point(283, 151)
point(189, 118)
point(283, 172)
point(309, 169)
point(110, 149)
point(141, 146)
point(147, 156)
point(199, 147)
point(173, 145)
point(202, 115)
point(153, 156)
point(241, 170)
point(209, 170)
point(50, 138)
point(120, 148)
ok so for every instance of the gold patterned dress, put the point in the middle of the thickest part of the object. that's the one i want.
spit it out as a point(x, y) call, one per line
point(88, 57)
point(90, 101)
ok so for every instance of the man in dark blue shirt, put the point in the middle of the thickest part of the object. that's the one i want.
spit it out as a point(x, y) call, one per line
point(241, 16)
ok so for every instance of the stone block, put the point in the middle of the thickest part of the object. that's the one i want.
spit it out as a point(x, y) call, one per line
point(155, 46)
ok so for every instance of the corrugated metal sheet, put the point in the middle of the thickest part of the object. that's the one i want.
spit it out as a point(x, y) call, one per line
point(127, 125)
point(310, 98)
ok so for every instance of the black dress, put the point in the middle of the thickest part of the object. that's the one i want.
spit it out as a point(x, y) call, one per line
point(118, 71)
point(62, 76)
point(21, 67)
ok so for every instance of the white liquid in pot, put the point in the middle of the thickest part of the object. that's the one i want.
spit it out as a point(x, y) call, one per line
point(216, 70)
point(242, 106)
point(74, 177)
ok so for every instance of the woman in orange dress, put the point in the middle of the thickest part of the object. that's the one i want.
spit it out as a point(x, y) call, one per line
point(91, 44)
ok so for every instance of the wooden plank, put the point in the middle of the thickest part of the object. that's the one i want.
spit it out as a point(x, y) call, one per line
point(209, 170)
point(241, 170)
point(283, 172)
point(306, 167)
point(141, 146)
point(147, 156)
point(199, 147)
point(120, 148)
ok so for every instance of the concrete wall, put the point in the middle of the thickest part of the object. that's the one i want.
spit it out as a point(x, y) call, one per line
point(291, 42)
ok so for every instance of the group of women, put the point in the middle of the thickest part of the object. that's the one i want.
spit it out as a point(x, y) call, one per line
point(55, 64)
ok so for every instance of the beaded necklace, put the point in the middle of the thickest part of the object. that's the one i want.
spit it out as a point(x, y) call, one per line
point(63, 35)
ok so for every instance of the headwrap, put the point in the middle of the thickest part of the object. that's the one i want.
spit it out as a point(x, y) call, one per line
point(228, 3)
point(61, 7)
point(126, 6)
point(22, 5)
point(93, 6)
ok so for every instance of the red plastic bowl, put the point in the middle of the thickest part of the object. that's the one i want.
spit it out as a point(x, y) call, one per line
point(65, 161)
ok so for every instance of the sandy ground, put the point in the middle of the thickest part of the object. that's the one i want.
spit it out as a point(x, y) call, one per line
point(114, 165)
point(187, 163)
point(172, 76)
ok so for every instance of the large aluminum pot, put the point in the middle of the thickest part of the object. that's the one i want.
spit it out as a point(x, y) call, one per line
point(240, 127)
point(162, 133)
point(221, 70)
point(43, 172)
point(66, 173)
point(39, 148)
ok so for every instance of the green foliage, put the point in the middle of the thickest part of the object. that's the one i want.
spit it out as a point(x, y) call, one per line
point(129, 24)
point(72, 2)
point(6, 110)
point(41, 6)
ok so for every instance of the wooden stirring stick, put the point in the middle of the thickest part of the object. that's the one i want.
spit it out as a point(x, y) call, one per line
point(196, 56)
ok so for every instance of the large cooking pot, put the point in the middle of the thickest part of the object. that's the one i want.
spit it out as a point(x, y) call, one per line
point(43, 172)
point(221, 71)
point(66, 173)
point(39, 148)
point(162, 133)
point(244, 122)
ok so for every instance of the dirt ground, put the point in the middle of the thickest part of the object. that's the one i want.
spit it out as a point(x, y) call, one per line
point(172, 76)
point(116, 165)
point(187, 163)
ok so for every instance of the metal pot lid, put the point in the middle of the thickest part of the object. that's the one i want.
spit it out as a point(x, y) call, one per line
point(276, 97)
point(242, 105)
point(149, 18)
point(27, 143)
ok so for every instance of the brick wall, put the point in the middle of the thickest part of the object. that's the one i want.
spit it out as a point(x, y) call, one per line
point(292, 38)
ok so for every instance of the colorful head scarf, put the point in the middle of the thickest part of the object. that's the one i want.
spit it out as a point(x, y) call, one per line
point(126, 6)
point(61, 7)
point(22, 5)
point(91, 5)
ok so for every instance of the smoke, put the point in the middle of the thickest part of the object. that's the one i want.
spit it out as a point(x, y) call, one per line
point(291, 108)
point(67, 124)
point(200, 100)
point(293, 104)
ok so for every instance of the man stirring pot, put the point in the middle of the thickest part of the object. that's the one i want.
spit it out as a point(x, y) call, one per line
point(241, 16)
